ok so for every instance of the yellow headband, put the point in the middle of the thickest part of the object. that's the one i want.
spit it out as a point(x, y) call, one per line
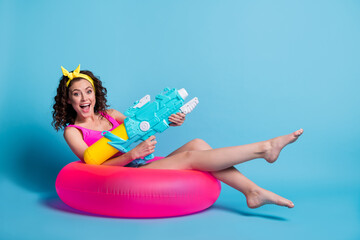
point(76, 74)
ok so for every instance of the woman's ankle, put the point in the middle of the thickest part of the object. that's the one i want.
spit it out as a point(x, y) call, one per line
point(264, 148)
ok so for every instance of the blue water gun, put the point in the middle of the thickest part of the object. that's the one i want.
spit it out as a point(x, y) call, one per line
point(146, 118)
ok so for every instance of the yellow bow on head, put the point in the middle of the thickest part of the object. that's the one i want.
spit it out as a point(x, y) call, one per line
point(76, 74)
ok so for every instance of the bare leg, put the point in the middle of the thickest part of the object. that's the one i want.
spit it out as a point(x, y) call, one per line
point(255, 195)
point(211, 160)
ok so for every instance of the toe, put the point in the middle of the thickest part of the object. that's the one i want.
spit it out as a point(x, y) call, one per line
point(298, 133)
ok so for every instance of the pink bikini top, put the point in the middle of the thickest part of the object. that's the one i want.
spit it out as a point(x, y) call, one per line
point(91, 136)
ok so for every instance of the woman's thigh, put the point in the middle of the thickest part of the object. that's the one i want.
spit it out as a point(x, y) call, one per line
point(176, 161)
point(194, 145)
point(181, 157)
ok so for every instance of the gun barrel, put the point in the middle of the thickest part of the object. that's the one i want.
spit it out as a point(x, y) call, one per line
point(189, 106)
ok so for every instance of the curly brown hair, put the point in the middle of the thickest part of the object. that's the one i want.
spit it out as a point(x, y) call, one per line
point(63, 113)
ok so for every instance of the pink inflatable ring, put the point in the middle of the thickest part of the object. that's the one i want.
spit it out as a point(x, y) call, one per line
point(135, 192)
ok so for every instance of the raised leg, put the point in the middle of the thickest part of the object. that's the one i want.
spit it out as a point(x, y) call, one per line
point(222, 158)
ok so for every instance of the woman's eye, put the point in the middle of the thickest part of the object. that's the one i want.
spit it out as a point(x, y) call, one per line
point(76, 94)
point(90, 91)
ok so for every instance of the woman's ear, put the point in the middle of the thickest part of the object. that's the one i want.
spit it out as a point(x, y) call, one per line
point(68, 101)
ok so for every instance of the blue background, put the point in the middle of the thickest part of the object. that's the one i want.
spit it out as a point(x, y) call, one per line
point(259, 68)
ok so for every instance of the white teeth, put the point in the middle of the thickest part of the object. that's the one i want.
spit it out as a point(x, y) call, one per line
point(85, 105)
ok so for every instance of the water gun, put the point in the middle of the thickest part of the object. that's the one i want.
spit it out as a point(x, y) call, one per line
point(144, 119)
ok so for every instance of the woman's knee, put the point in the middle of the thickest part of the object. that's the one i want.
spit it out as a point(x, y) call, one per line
point(188, 159)
point(199, 144)
point(185, 160)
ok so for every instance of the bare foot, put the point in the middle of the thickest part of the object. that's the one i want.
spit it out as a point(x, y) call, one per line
point(275, 145)
point(260, 196)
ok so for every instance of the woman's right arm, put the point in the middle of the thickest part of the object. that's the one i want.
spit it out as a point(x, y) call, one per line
point(74, 139)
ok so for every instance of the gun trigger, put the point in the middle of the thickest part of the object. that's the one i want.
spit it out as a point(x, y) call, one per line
point(149, 157)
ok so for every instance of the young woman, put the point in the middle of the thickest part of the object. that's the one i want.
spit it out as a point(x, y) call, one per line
point(81, 108)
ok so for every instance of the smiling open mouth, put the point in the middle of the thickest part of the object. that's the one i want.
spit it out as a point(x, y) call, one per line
point(85, 105)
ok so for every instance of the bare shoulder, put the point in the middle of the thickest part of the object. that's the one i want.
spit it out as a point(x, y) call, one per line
point(70, 132)
point(111, 112)
point(118, 116)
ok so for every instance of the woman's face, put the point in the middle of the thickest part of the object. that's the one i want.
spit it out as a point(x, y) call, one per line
point(82, 97)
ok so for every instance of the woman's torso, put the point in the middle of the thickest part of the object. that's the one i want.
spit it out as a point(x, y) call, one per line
point(91, 136)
